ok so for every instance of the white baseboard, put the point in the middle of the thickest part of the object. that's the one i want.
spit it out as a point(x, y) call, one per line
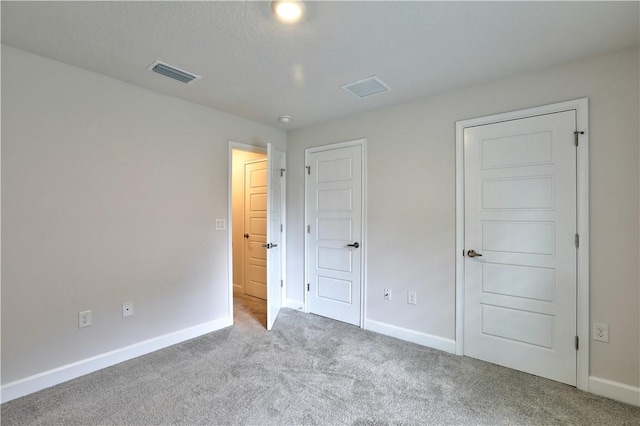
point(614, 390)
point(67, 372)
point(412, 336)
point(294, 304)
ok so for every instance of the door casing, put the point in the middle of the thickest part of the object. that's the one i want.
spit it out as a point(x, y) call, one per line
point(581, 106)
point(363, 264)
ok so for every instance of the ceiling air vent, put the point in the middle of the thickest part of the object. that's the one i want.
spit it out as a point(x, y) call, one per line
point(366, 87)
point(173, 72)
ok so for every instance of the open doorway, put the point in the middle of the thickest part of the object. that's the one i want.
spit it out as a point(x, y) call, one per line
point(249, 187)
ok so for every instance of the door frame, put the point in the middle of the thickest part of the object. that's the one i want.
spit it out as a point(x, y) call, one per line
point(283, 234)
point(243, 147)
point(581, 106)
point(362, 143)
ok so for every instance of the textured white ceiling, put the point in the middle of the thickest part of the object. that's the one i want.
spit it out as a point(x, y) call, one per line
point(255, 67)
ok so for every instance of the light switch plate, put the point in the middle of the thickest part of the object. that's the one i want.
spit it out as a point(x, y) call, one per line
point(221, 224)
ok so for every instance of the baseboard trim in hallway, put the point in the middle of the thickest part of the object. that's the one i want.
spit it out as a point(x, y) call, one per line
point(67, 372)
point(294, 304)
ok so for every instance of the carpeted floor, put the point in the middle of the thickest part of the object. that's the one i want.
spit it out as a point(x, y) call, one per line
point(309, 370)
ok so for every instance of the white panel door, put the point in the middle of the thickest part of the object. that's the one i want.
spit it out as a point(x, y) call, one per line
point(334, 214)
point(275, 167)
point(520, 219)
point(255, 228)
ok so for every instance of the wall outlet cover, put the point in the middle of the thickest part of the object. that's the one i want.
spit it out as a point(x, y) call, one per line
point(601, 332)
point(84, 319)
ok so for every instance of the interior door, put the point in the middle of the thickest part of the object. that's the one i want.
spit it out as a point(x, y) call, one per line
point(334, 214)
point(520, 253)
point(275, 161)
point(255, 228)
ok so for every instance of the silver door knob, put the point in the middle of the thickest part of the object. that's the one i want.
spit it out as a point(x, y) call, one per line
point(472, 253)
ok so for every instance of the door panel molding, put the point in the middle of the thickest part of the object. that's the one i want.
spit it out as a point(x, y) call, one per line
point(362, 143)
point(580, 106)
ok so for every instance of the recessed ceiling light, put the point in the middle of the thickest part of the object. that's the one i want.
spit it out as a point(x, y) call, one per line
point(289, 11)
point(284, 119)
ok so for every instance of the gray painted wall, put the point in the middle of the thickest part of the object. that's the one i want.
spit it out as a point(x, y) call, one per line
point(109, 194)
point(411, 198)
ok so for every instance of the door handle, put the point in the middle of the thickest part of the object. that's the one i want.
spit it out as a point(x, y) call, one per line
point(269, 246)
point(355, 245)
point(472, 253)
point(246, 235)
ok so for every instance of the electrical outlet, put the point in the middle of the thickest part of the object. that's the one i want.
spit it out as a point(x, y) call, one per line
point(127, 309)
point(412, 297)
point(601, 332)
point(387, 294)
point(84, 319)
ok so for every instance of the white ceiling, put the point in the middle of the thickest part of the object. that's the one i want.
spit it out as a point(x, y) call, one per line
point(255, 67)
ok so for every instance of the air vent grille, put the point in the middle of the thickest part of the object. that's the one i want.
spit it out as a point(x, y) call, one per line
point(173, 72)
point(366, 87)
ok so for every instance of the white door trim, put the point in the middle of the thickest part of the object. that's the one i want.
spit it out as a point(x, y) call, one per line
point(581, 106)
point(363, 264)
point(283, 236)
point(243, 147)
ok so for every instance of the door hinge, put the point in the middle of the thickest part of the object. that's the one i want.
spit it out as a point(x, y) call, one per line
point(308, 229)
point(577, 240)
point(308, 287)
point(281, 283)
point(281, 227)
point(282, 172)
point(308, 170)
point(577, 343)
point(576, 134)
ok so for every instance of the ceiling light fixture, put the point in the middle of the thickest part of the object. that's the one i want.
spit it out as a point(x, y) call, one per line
point(284, 119)
point(289, 12)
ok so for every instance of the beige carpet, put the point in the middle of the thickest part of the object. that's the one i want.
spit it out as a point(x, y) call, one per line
point(309, 370)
